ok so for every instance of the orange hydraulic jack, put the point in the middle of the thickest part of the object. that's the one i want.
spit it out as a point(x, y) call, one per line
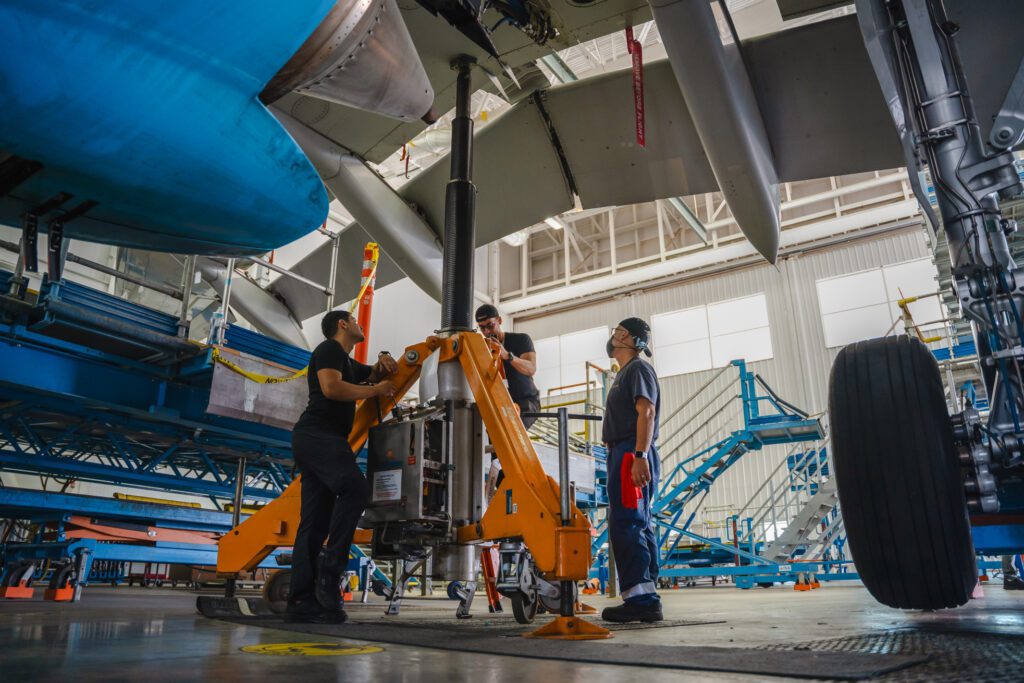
point(531, 509)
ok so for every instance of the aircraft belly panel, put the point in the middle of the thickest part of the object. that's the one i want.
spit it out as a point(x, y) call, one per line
point(153, 112)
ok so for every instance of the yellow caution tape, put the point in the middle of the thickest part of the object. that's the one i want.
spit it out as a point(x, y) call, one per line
point(255, 376)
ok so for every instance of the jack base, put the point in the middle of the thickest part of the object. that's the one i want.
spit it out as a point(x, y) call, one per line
point(19, 592)
point(570, 628)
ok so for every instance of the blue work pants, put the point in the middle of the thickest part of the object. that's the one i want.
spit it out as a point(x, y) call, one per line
point(631, 531)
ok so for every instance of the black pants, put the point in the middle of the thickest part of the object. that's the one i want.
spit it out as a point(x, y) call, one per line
point(530, 404)
point(334, 495)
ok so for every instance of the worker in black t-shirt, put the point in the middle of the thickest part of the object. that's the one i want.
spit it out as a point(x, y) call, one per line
point(520, 361)
point(519, 358)
point(334, 490)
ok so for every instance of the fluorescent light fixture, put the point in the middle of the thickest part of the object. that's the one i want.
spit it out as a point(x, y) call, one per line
point(554, 223)
point(516, 239)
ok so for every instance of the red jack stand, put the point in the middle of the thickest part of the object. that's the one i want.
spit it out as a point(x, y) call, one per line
point(489, 567)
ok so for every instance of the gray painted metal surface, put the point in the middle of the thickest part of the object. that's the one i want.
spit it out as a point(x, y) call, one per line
point(361, 55)
point(582, 468)
point(726, 115)
point(382, 213)
point(801, 362)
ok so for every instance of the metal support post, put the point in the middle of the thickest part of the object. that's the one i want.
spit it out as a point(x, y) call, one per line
point(220, 320)
point(613, 575)
point(236, 517)
point(567, 597)
point(332, 281)
point(188, 281)
point(55, 250)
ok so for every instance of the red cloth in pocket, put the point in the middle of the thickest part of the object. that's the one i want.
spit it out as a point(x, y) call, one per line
point(631, 495)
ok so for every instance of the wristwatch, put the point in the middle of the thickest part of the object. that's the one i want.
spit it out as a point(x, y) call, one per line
point(511, 356)
point(639, 454)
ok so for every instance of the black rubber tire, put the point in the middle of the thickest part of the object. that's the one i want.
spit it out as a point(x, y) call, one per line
point(276, 589)
point(524, 609)
point(898, 475)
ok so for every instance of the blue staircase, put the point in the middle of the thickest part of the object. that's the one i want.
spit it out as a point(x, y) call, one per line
point(767, 420)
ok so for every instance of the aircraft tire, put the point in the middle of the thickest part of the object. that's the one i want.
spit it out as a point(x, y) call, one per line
point(898, 475)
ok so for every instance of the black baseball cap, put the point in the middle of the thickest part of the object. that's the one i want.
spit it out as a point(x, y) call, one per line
point(641, 333)
point(486, 312)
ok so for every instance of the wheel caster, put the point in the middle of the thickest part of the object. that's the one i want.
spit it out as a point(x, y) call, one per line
point(524, 607)
point(276, 589)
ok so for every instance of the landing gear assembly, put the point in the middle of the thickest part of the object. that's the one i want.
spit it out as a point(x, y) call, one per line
point(909, 474)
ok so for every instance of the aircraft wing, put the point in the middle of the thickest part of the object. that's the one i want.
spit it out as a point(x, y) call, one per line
point(823, 110)
point(822, 106)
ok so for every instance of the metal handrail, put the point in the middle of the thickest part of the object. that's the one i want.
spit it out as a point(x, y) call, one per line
point(698, 429)
point(693, 417)
point(694, 395)
point(768, 480)
point(789, 498)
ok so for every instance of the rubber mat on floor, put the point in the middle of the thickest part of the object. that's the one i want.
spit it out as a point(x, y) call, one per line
point(952, 656)
point(491, 639)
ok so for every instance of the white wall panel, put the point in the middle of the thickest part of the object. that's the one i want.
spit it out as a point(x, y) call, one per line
point(801, 362)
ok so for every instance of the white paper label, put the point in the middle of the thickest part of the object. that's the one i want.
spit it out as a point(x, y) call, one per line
point(387, 485)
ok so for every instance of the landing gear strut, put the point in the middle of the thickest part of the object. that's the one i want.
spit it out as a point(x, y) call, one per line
point(907, 472)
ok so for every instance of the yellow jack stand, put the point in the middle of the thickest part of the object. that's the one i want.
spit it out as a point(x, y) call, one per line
point(570, 628)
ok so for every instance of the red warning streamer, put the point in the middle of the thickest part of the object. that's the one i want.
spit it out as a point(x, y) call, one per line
point(636, 49)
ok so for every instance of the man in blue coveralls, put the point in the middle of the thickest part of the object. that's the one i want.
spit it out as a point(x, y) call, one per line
point(630, 431)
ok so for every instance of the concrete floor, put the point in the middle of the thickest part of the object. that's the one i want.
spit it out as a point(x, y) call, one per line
point(155, 635)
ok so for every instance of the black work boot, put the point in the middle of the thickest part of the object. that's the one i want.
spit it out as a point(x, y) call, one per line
point(646, 612)
point(328, 584)
point(312, 612)
point(1013, 583)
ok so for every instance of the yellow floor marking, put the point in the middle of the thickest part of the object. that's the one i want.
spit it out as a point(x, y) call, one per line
point(320, 649)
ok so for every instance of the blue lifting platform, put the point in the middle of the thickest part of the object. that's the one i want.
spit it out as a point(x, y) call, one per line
point(82, 539)
point(94, 388)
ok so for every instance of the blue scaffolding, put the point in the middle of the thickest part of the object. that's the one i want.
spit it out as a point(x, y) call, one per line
point(94, 388)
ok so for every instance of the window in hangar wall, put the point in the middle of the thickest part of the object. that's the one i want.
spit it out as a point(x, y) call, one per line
point(863, 305)
point(561, 361)
point(710, 336)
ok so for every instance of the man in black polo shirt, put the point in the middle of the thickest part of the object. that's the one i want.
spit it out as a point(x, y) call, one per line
point(334, 490)
point(519, 358)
